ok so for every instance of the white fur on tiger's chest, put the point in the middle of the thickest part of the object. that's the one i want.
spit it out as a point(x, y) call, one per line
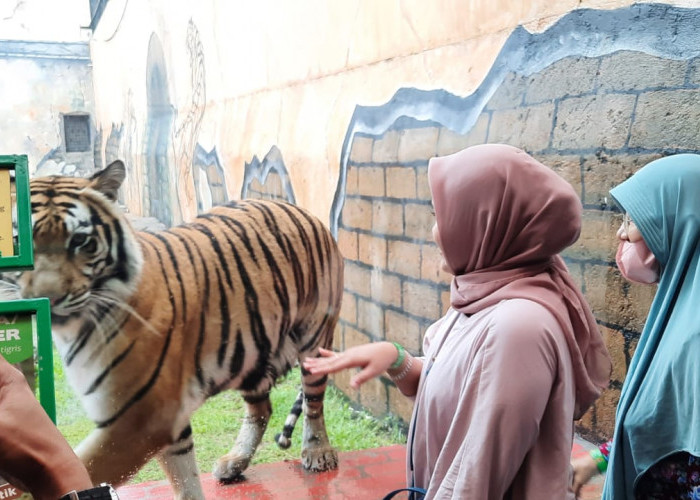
point(64, 334)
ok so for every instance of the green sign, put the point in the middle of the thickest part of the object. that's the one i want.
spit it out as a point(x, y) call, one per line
point(16, 337)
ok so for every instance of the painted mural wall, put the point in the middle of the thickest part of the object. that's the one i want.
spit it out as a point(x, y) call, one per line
point(345, 102)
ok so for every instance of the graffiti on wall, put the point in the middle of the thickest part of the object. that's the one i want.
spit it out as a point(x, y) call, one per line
point(595, 97)
point(185, 137)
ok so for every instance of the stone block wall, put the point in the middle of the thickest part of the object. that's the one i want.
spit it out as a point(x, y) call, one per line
point(595, 121)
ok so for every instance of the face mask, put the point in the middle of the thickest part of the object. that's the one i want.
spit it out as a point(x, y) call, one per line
point(636, 262)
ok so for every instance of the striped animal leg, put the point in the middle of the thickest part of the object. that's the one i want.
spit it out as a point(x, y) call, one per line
point(258, 411)
point(178, 462)
point(316, 453)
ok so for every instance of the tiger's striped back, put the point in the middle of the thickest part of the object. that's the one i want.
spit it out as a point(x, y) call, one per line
point(273, 264)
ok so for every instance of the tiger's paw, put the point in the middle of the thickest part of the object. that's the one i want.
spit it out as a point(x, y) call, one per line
point(229, 467)
point(319, 459)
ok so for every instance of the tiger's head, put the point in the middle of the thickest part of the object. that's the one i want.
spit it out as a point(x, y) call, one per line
point(85, 251)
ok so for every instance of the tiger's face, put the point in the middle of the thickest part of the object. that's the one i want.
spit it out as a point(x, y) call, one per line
point(84, 250)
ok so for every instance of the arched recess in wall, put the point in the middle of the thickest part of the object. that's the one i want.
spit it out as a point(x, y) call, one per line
point(159, 125)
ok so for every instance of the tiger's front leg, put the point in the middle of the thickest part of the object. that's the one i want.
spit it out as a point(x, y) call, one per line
point(178, 462)
point(113, 454)
point(317, 454)
point(258, 411)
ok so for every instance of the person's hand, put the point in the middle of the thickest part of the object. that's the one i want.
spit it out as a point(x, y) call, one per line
point(584, 469)
point(373, 359)
point(34, 456)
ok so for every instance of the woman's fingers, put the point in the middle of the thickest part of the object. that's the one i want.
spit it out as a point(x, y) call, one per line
point(363, 376)
point(332, 362)
point(373, 359)
point(328, 365)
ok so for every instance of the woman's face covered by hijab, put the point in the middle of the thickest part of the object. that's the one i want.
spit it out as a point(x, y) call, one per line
point(497, 208)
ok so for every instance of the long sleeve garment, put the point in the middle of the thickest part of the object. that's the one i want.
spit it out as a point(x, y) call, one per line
point(493, 416)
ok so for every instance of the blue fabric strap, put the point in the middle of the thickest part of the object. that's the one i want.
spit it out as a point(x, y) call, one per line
point(414, 493)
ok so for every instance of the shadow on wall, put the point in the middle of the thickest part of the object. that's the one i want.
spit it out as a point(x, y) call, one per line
point(595, 97)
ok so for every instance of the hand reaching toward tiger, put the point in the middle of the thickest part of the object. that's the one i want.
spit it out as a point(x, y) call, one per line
point(373, 360)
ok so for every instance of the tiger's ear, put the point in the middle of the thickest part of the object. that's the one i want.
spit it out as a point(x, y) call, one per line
point(109, 180)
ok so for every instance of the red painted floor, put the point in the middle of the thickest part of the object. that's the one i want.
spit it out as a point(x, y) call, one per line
point(366, 474)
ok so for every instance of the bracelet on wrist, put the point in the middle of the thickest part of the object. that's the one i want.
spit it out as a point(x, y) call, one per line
point(404, 372)
point(400, 358)
point(600, 460)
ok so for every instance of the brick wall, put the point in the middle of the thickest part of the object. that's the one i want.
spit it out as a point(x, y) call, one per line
point(595, 121)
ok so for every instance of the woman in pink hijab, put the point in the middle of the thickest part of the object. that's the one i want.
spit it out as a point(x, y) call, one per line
point(517, 357)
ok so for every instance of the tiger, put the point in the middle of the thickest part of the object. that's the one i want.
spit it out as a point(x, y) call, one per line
point(148, 325)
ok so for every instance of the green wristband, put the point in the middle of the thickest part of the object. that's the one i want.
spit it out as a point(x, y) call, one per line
point(599, 460)
point(402, 356)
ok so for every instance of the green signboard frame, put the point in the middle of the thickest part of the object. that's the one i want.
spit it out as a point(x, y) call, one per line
point(41, 308)
point(24, 250)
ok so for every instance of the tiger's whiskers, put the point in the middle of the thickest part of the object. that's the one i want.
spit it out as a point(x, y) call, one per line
point(9, 290)
point(99, 328)
point(128, 309)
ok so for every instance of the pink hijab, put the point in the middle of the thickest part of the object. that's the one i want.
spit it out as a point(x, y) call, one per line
point(503, 218)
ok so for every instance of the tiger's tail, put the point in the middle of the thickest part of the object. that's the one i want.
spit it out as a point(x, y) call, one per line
point(284, 438)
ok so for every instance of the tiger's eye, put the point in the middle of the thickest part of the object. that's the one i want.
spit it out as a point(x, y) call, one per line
point(90, 246)
point(84, 243)
point(78, 239)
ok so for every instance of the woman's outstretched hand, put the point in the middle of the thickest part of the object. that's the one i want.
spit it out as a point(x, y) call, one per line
point(372, 359)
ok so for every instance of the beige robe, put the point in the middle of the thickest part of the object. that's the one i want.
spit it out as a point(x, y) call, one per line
point(493, 418)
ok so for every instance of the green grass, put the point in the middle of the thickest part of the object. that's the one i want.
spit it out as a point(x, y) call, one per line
point(216, 424)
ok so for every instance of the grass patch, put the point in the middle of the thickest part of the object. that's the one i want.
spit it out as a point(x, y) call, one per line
point(216, 424)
